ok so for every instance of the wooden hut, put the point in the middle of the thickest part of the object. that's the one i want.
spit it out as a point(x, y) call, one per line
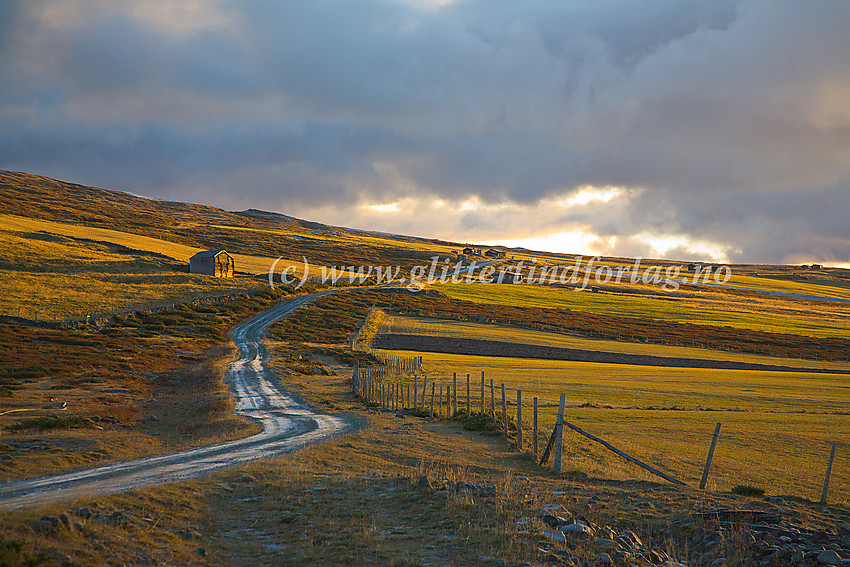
point(216, 263)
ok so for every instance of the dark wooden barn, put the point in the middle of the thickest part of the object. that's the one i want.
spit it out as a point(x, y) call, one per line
point(216, 263)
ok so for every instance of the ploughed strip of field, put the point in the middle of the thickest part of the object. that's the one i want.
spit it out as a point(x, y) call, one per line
point(478, 347)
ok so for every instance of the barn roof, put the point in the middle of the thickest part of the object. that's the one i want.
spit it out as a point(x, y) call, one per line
point(209, 253)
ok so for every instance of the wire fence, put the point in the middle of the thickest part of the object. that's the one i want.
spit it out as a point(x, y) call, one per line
point(514, 413)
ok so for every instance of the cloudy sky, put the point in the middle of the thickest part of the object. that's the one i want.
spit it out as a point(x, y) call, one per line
point(683, 129)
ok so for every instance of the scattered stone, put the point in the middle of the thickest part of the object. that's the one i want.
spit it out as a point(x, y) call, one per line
point(604, 559)
point(557, 537)
point(45, 525)
point(554, 522)
point(630, 539)
point(423, 483)
point(606, 544)
point(830, 557)
point(577, 529)
point(187, 534)
point(288, 517)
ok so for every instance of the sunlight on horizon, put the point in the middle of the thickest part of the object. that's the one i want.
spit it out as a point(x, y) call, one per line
point(571, 242)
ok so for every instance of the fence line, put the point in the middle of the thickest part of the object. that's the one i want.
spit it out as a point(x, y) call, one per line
point(371, 383)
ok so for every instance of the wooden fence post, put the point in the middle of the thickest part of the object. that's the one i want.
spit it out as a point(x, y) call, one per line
point(534, 439)
point(826, 478)
point(492, 400)
point(482, 392)
point(710, 455)
point(468, 413)
point(454, 393)
point(504, 410)
point(424, 390)
point(441, 401)
point(519, 420)
point(559, 434)
point(433, 387)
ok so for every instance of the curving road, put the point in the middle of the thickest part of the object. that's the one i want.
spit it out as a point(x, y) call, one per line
point(287, 425)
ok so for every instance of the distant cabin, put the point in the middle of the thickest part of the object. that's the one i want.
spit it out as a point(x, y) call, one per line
point(216, 263)
point(493, 253)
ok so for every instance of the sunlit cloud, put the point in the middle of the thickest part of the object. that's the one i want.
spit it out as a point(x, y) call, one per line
point(571, 242)
point(387, 208)
point(582, 227)
point(470, 205)
point(589, 194)
point(663, 244)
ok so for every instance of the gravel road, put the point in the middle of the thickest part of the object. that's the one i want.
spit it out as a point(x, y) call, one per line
point(287, 425)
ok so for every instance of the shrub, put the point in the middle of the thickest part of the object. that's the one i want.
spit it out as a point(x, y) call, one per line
point(747, 490)
point(46, 423)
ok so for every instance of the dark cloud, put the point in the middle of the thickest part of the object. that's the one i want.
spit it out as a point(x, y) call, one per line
point(723, 121)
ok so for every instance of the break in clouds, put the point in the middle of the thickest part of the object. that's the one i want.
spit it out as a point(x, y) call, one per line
point(691, 130)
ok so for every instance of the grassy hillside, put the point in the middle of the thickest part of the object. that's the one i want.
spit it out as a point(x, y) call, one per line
point(151, 382)
point(757, 312)
point(252, 233)
point(56, 271)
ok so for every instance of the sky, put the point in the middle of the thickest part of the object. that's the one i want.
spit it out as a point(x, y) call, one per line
point(694, 130)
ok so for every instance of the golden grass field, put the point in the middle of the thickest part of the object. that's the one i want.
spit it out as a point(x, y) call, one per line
point(777, 427)
point(64, 271)
point(153, 383)
point(762, 313)
point(408, 324)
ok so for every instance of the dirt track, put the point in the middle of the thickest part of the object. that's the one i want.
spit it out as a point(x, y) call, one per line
point(478, 347)
point(287, 425)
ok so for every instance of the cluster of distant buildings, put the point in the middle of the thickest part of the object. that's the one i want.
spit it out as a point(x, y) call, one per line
point(489, 253)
